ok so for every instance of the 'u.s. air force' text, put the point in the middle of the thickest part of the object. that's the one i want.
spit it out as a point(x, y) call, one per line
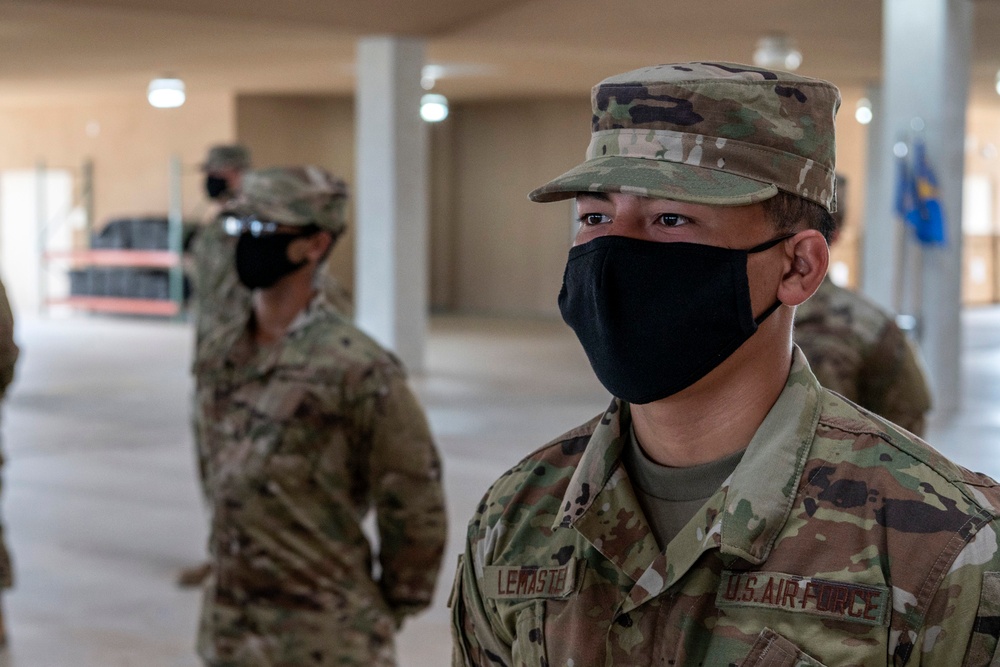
point(858, 603)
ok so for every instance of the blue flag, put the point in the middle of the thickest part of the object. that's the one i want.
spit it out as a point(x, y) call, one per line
point(930, 229)
point(918, 203)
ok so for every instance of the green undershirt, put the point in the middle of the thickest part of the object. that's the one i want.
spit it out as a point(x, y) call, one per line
point(669, 497)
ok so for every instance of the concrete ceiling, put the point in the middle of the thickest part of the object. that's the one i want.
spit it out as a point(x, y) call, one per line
point(490, 48)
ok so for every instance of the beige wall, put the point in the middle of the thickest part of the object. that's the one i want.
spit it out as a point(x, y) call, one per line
point(981, 252)
point(129, 142)
point(304, 129)
point(443, 229)
point(491, 250)
point(509, 253)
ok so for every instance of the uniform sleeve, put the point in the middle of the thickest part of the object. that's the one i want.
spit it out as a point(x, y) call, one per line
point(408, 496)
point(893, 382)
point(8, 349)
point(962, 624)
point(475, 642)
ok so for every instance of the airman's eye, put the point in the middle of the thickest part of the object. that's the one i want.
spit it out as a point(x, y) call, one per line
point(591, 219)
point(672, 219)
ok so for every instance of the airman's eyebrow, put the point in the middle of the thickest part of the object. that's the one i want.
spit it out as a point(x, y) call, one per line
point(601, 196)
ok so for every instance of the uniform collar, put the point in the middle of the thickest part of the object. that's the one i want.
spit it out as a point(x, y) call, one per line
point(318, 308)
point(754, 511)
point(742, 519)
point(234, 347)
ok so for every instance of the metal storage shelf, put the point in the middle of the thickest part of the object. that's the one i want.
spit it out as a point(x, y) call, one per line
point(132, 265)
point(139, 259)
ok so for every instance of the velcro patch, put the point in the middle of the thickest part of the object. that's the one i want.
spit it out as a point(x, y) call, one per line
point(504, 582)
point(844, 601)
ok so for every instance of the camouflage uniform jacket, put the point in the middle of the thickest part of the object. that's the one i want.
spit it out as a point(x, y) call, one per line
point(305, 437)
point(857, 350)
point(839, 540)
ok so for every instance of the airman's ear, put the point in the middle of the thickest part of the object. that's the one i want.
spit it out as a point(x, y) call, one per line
point(319, 245)
point(807, 258)
point(312, 247)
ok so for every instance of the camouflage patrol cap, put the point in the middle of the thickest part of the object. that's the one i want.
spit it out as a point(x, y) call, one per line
point(721, 134)
point(227, 156)
point(296, 196)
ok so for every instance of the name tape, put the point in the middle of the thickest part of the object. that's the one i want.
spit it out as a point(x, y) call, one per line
point(855, 603)
point(527, 581)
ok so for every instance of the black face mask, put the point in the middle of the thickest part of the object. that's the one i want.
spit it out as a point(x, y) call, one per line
point(216, 186)
point(261, 261)
point(654, 318)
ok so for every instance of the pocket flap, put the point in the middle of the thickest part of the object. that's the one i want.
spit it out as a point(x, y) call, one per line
point(773, 650)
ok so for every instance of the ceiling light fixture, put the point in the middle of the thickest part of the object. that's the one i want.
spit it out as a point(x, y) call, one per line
point(433, 107)
point(998, 82)
point(166, 93)
point(863, 112)
point(777, 51)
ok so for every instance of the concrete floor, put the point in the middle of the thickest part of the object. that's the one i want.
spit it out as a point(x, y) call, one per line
point(101, 504)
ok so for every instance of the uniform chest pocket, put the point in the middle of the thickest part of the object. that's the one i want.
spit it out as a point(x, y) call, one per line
point(529, 641)
point(773, 650)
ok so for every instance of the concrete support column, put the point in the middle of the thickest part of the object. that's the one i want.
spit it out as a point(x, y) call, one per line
point(391, 273)
point(926, 54)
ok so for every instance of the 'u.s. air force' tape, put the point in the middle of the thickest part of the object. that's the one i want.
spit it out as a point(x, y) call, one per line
point(844, 601)
point(502, 582)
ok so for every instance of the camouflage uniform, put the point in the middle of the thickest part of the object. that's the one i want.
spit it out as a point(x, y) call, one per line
point(304, 437)
point(857, 350)
point(8, 357)
point(220, 298)
point(839, 540)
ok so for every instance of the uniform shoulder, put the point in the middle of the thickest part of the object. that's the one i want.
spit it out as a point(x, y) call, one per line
point(836, 305)
point(332, 340)
point(869, 441)
point(213, 348)
point(538, 481)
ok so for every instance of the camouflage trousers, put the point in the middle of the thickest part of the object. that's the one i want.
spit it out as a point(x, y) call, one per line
point(260, 636)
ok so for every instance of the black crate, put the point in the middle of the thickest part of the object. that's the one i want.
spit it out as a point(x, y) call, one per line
point(150, 233)
point(80, 283)
point(118, 281)
point(116, 235)
point(152, 284)
point(99, 281)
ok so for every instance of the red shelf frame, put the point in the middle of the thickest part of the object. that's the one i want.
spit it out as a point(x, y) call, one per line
point(159, 259)
point(110, 304)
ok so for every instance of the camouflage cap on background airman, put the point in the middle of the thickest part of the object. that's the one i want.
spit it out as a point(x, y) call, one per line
point(227, 156)
point(721, 134)
point(295, 196)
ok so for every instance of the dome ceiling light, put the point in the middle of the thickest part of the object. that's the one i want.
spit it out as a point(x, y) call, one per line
point(166, 93)
point(433, 107)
